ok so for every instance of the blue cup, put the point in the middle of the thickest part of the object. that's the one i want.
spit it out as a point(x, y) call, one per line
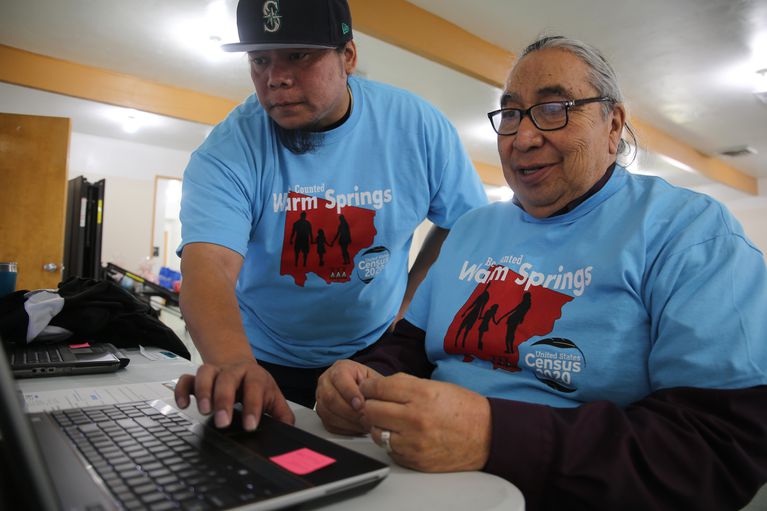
point(7, 278)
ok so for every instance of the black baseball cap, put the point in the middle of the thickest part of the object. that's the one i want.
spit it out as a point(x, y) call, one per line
point(277, 24)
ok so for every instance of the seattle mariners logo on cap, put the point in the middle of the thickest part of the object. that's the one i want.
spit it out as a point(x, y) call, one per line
point(264, 25)
point(271, 16)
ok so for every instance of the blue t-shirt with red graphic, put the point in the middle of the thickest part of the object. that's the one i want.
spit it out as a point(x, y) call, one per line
point(326, 235)
point(643, 286)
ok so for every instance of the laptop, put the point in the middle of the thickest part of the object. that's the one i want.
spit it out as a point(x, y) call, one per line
point(34, 360)
point(149, 455)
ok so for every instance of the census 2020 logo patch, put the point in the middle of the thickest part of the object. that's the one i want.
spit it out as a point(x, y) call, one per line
point(271, 16)
point(372, 262)
point(557, 362)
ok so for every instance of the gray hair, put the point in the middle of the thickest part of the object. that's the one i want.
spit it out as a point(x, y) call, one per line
point(601, 76)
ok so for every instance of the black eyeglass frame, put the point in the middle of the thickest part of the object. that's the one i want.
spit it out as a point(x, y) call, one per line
point(568, 104)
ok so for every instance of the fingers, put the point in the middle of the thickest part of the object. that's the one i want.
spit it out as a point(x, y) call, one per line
point(377, 435)
point(395, 427)
point(336, 414)
point(388, 402)
point(397, 389)
point(280, 410)
point(199, 385)
point(345, 378)
point(225, 387)
point(260, 394)
point(443, 427)
point(203, 387)
point(395, 444)
point(184, 388)
point(337, 423)
point(218, 388)
point(339, 400)
point(387, 415)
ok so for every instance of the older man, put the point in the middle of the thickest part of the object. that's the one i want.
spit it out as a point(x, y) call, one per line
point(635, 374)
point(314, 150)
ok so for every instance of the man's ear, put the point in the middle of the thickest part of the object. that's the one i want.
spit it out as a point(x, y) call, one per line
point(350, 57)
point(617, 122)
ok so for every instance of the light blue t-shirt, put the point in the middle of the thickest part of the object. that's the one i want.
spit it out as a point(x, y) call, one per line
point(643, 286)
point(326, 235)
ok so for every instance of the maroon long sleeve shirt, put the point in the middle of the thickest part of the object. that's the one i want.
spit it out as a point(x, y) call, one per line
point(677, 449)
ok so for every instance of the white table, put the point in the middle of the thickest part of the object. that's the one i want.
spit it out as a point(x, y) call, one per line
point(402, 490)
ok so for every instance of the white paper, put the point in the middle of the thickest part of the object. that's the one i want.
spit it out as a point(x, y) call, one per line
point(95, 396)
point(151, 355)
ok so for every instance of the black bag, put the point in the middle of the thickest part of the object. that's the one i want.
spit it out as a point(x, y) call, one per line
point(95, 310)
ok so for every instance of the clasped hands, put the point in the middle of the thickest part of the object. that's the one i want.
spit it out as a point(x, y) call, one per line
point(434, 426)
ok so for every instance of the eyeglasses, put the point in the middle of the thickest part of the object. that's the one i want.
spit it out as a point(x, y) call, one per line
point(548, 116)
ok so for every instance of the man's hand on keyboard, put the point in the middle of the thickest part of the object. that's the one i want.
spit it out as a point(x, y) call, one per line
point(218, 387)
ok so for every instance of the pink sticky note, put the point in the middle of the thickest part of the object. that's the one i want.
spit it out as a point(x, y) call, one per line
point(81, 345)
point(302, 461)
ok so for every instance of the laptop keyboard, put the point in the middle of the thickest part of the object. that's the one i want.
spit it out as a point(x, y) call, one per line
point(38, 356)
point(150, 460)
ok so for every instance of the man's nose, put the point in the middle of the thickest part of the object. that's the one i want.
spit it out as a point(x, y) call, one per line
point(280, 75)
point(528, 134)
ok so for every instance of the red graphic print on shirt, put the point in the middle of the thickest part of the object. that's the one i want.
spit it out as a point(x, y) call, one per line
point(499, 316)
point(321, 240)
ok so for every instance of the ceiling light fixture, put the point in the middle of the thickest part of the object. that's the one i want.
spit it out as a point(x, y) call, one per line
point(131, 124)
point(205, 34)
point(130, 119)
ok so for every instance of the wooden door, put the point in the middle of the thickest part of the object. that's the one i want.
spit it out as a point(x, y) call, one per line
point(33, 191)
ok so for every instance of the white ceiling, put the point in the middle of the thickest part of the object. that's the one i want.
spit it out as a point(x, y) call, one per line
point(687, 66)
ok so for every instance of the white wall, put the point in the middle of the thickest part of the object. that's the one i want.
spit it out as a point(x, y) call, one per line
point(751, 211)
point(112, 157)
point(129, 170)
point(754, 221)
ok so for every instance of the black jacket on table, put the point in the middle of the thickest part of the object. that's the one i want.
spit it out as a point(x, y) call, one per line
point(92, 310)
point(677, 449)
